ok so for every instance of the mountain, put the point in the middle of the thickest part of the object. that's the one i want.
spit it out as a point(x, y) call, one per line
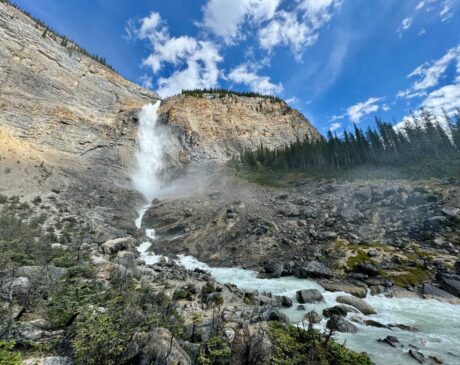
point(69, 123)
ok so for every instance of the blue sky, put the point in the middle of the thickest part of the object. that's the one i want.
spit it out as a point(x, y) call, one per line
point(338, 61)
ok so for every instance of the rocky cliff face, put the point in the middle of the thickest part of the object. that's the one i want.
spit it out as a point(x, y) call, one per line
point(216, 127)
point(67, 123)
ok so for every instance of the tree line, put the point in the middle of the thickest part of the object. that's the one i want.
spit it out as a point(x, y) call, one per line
point(223, 93)
point(422, 136)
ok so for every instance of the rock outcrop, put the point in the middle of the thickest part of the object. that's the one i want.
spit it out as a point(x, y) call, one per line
point(215, 127)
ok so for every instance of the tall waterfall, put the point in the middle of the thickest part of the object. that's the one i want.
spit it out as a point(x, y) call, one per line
point(149, 153)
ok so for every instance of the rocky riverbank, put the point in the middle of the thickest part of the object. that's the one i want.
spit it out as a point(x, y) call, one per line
point(353, 236)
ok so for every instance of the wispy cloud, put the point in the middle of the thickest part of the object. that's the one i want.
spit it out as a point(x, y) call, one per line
point(246, 74)
point(334, 126)
point(358, 111)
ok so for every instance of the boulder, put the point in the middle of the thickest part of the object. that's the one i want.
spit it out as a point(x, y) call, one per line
point(289, 210)
point(274, 268)
point(153, 348)
point(347, 287)
point(417, 356)
point(34, 272)
point(313, 269)
point(19, 288)
point(450, 283)
point(367, 268)
point(286, 301)
point(309, 296)
point(359, 304)
point(313, 317)
point(57, 360)
point(260, 346)
point(112, 247)
point(337, 310)
point(350, 214)
point(278, 317)
point(429, 291)
point(50, 360)
point(338, 323)
point(390, 340)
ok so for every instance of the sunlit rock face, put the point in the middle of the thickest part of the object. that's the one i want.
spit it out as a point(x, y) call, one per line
point(213, 127)
point(67, 123)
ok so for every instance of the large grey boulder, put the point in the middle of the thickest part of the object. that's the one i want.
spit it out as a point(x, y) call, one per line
point(338, 323)
point(359, 304)
point(17, 287)
point(450, 283)
point(260, 346)
point(313, 269)
point(39, 272)
point(154, 348)
point(274, 268)
point(309, 296)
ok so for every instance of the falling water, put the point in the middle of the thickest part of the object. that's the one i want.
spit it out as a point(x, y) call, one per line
point(148, 167)
point(149, 153)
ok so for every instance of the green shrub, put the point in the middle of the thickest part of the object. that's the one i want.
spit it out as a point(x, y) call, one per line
point(295, 346)
point(98, 341)
point(214, 351)
point(7, 355)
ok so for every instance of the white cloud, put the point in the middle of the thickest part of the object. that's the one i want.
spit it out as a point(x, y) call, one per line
point(446, 97)
point(447, 12)
point(430, 73)
point(225, 18)
point(405, 25)
point(358, 111)
point(286, 30)
point(195, 62)
point(385, 107)
point(146, 81)
point(299, 27)
point(334, 126)
point(247, 74)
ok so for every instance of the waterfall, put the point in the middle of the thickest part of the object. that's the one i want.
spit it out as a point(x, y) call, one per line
point(148, 166)
point(149, 153)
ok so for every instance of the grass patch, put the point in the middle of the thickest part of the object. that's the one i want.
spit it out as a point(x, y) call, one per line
point(413, 276)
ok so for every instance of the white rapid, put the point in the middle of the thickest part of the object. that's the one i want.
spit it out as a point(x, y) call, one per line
point(439, 323)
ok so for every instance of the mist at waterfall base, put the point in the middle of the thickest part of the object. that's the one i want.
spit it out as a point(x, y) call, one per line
point(439, 323)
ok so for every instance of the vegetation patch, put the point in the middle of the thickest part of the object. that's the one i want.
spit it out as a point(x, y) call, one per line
point(411, 276)
point(422, 149)
point(293, 345)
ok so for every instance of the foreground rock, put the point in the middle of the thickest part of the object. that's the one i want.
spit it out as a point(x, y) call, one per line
point(158, 346)
point(338, 323)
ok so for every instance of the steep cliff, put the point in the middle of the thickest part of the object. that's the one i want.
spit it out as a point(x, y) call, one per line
point(67, 123)
point(216, 126)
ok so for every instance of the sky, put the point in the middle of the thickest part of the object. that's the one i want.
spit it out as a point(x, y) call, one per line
point(338, 61)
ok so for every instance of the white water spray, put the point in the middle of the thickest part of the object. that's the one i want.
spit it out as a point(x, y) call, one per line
point(149, 153)
point(146, 176)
